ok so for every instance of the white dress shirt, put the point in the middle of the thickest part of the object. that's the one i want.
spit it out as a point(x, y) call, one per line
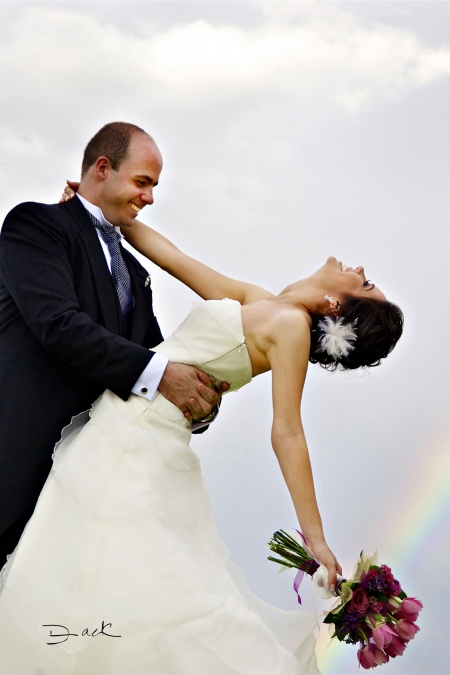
point(148, 382)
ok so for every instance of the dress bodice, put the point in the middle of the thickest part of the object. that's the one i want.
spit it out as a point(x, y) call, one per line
point(212, 339)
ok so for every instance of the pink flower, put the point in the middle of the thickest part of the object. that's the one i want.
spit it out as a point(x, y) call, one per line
point(382, 636)
point(406, 630)
point(409, 609)
point(378, 607)
point(396, 647)
point(393, 605)
point(359, 602)
point(370, 656)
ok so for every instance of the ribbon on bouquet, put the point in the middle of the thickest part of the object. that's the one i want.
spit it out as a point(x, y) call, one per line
point(307, 567)
point(294, 553)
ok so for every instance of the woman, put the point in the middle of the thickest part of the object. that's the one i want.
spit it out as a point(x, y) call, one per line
point(122, 550)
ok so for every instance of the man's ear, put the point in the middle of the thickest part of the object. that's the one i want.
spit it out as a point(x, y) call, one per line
point(102, 168)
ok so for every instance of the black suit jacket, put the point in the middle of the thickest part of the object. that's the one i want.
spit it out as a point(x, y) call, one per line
point(62, 342)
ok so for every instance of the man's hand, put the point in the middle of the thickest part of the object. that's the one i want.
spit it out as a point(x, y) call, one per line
point(191, 390)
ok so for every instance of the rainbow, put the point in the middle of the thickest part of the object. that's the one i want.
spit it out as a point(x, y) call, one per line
point(423, 503)
point(415, 520)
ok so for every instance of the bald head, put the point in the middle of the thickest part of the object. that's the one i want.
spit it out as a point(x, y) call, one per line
point(112, 141)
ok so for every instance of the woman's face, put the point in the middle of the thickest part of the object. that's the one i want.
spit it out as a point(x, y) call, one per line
point(342, 281)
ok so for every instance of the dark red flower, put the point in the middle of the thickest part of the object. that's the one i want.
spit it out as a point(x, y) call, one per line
point(359, 602)
point(406, 630)
point(396, 647)
point(371, 656)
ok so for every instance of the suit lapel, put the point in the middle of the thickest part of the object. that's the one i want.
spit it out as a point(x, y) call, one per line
point(142, 299)
point(104, 286)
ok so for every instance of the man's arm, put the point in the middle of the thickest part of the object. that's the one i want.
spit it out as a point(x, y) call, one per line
point(35, 252)
point(35, 260)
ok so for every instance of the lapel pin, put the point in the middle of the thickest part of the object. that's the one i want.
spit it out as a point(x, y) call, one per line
point(147, 281)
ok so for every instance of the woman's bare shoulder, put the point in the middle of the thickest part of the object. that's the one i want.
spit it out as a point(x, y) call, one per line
point(275, 333)
point(289, 340)
point(254, 294)
point(289, 324)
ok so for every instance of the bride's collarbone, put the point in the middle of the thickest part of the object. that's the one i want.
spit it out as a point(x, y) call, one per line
point(258, 336)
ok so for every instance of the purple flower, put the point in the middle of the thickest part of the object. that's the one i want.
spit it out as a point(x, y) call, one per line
point(382, 636)
point(396, 647)
point(394, 585)
point(371, 656)
point(380, 580)
point(406, 630)
point(373, 581)
point(409, 609)
point(350, 621)
point(349, 627)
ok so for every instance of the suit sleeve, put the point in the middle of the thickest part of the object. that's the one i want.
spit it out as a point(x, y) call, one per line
point(35, 261)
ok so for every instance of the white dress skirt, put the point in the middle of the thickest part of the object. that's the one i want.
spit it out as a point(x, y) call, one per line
point(121, 569)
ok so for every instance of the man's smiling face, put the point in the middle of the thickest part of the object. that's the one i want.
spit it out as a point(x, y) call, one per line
point(126, 191)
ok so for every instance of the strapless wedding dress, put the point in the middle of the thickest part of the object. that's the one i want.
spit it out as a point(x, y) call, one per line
point(121, 570)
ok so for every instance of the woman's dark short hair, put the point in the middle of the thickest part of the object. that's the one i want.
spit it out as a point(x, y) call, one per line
point(378, 325)
point(111, 141)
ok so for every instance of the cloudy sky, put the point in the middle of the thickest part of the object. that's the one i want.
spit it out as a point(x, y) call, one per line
point(290, 131)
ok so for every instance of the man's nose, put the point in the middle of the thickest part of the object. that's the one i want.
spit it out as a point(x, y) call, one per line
point(147, 195)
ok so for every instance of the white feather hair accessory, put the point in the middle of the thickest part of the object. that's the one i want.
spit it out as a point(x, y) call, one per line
point(337, 337)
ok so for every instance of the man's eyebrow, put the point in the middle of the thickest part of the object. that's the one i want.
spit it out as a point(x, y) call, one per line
point(145, 179)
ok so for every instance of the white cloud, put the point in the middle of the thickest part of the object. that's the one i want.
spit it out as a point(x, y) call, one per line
point(307, 51)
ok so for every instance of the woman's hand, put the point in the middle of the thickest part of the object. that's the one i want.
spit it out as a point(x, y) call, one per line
point(328, 559)
point(69, 191)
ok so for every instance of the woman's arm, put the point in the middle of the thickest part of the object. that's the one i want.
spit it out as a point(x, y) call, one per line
point(208, 283)
point(288, 356)
point(205, 281)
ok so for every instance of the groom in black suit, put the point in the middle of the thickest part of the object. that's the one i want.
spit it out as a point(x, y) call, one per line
point(76, 317)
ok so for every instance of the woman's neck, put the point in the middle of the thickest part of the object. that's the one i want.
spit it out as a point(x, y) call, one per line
point(303, 295)
point(260, 320)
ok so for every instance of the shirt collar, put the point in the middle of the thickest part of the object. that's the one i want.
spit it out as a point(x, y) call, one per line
point(98, 213)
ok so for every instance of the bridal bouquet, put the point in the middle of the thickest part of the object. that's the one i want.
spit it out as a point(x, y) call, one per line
point(372, 609)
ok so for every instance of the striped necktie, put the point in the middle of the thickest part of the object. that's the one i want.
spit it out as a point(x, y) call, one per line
point(119, 270)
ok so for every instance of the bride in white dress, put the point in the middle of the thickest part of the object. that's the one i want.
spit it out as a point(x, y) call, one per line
point(121, 570)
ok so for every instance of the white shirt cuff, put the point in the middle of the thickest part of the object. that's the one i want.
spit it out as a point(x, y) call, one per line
point(148, 381)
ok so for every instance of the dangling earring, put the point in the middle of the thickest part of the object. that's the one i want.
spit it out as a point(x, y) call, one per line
point(331, 300)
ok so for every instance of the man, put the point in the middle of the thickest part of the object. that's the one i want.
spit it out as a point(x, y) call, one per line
point(76, 317)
